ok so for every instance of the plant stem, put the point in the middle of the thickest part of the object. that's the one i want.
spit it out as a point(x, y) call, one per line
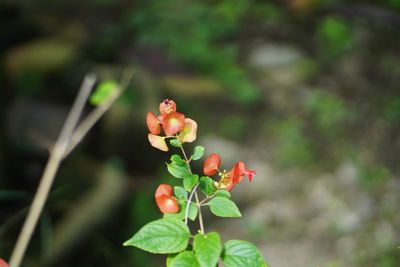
point(191, 196)
point(200, 215)
point(50, 171)
point(83, 128)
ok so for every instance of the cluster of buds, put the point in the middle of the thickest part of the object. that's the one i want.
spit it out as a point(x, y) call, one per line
point(173, 124)
point(228, 180)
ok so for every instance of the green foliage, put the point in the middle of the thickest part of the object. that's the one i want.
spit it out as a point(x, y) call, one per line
point(178, 169)
point(184, 259)
point(334, 36)
point(189, 181)
point(193, 211)
point(103, 91)
point(162, 236)
point(207, 185)
point(328, 111)
point(207, 248)
point(223, 193)
point(293, 148)
point(175, 142)
point(223, 207)
point(391, 110)
point(238, 253)
point(174, 25)
point(198, 153)
point(180, 193)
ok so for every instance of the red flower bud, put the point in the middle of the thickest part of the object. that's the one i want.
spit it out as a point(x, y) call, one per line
point(167, 106)
point(153, 124)
point(164, 190)
point(167, 204)
point(165, 200)
point(211, 165)
point(3, 263)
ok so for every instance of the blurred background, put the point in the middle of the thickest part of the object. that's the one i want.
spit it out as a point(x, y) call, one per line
point(307, 92)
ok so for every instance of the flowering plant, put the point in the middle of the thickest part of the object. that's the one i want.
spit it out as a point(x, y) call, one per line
point(171, 234)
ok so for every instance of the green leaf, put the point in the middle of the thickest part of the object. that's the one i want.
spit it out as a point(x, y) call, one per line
point(178, 170)
point(189, 181)
point(207, 185)
point(223, 193)
point(207, 248)
point(180, 192)
point(198, 152)
point(193, 211)
point(176, 158)
point(103, 91)
point(185, 259)
point(238, 253)
point(170, 258)
point(175, 142)
point(162, 236)
point(224, 207)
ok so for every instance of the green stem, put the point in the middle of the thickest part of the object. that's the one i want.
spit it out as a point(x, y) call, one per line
point(191, 196)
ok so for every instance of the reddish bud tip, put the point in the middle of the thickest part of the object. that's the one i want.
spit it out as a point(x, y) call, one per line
point(167, 106)
point(211, 165)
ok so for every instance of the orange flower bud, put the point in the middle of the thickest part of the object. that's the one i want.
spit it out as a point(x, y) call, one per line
point(164, 190)
point(167, 106)
point(211, 165)
point(165, 200)
point(167, 204)
point(152, 123)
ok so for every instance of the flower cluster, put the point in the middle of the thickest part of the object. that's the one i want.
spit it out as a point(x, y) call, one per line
point(228, 180)
point(191, 194)
point(173, 123)
point(180, 129)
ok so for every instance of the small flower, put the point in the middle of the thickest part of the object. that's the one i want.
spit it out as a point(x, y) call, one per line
point(153, 123)
point(158, 142)
point(211, 165)
point(165, 200)
point(167, 106)
point(189, 132)
point(3, 263)
point(173, 123)
point(237, 173)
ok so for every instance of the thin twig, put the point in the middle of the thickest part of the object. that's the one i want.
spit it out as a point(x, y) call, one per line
point(96, 114)
point(49, 173)
point(200, 215)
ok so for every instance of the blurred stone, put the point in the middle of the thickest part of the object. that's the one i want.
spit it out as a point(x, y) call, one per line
point(269, 56)
point(191, 86)
point(41, 56)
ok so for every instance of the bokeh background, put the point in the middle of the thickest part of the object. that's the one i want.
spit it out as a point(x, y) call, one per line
point(307, 92)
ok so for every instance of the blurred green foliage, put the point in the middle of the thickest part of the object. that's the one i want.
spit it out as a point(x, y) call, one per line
point(205, 46)
point(335, 36)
